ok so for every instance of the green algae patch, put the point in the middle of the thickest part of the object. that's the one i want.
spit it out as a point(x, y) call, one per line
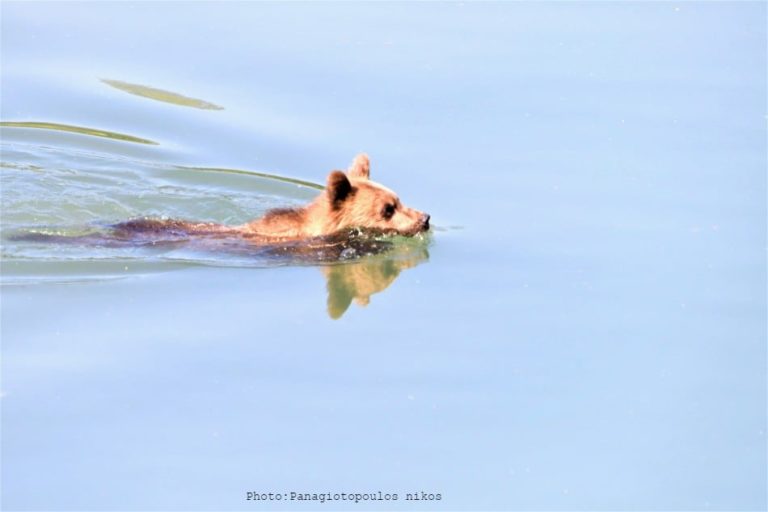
point(77, 129)
point(161, 95)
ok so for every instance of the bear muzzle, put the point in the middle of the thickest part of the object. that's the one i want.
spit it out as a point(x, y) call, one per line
point(425, 221)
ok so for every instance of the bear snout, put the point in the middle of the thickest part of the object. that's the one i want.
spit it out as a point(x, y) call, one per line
point(425, 221)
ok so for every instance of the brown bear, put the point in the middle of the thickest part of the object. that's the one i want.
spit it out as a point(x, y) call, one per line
point(349, 201)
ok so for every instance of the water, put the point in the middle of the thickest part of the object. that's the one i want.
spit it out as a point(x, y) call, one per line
point(584, 328)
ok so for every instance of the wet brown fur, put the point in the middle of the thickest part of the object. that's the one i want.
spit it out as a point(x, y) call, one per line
point(350, 200)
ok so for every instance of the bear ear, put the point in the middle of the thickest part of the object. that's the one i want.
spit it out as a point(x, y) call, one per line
point(360, 168)
point(338, 187)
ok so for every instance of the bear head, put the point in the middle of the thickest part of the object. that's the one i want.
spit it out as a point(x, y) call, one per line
point(354, 201)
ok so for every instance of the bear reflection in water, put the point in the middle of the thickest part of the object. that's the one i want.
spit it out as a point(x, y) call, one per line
point(355, 263)
point(360, 279)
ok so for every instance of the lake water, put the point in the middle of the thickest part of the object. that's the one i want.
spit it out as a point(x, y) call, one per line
point(583, 329)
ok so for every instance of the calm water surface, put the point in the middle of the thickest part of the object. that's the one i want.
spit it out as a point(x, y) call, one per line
point(584, 329)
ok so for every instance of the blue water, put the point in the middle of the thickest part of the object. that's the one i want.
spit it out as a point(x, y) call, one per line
point(584, 329)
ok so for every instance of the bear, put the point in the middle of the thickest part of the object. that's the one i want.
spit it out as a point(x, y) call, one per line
point(350, 201)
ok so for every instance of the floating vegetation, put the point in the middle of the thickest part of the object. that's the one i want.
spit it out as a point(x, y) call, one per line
point(161, 95)
point(276, 177)
point(76, 129)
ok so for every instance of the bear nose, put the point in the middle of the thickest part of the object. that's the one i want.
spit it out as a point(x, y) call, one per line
point(425, 220)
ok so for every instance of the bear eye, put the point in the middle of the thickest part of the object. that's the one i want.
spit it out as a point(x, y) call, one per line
point(389, 211)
